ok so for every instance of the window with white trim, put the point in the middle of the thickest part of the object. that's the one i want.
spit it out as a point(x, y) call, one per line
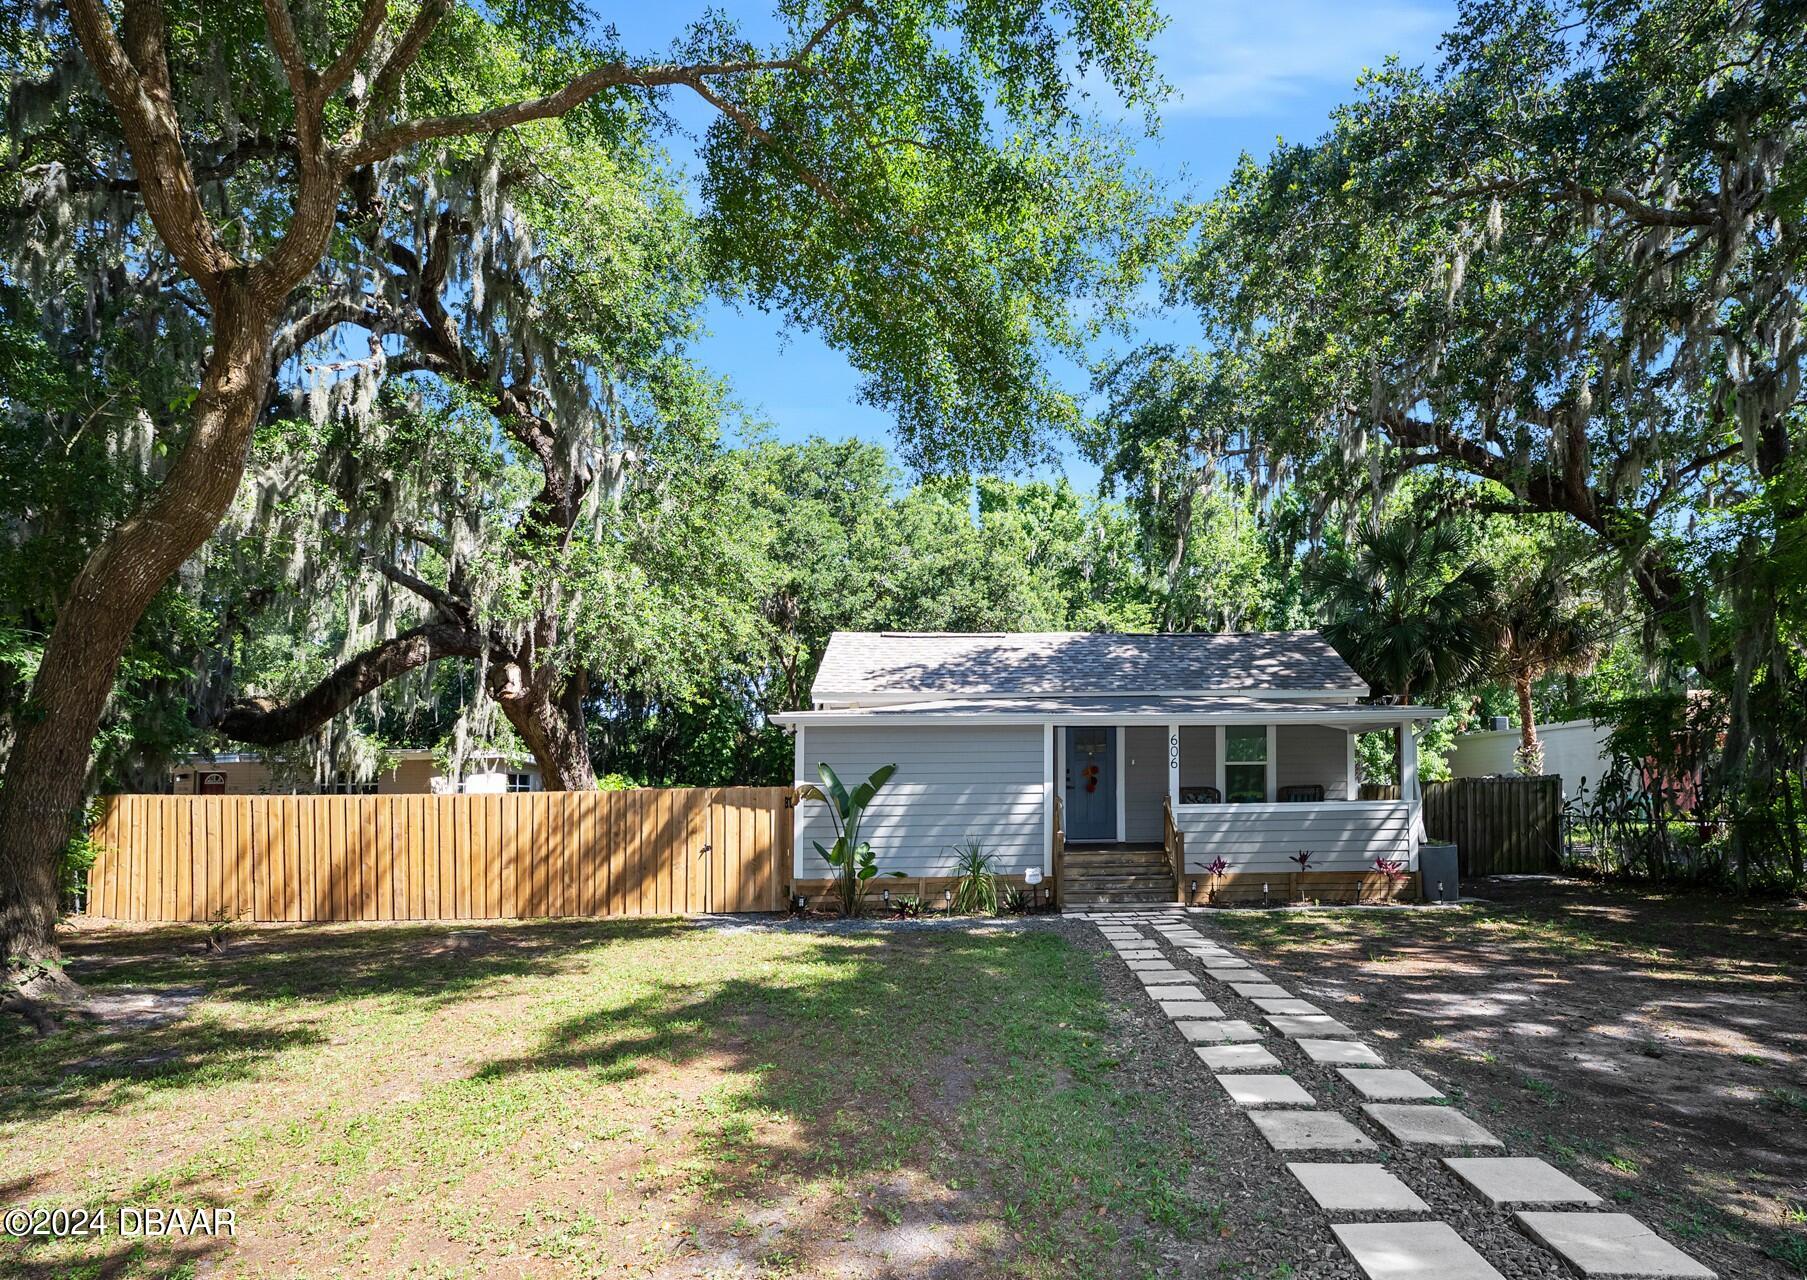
point(520, 782)
point(1245, 763)
point(342, 784)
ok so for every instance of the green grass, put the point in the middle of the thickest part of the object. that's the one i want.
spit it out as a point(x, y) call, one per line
point(596, 1099)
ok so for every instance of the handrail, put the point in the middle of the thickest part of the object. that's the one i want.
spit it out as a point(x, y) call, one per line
point(1173, 845)
point(1057, 853)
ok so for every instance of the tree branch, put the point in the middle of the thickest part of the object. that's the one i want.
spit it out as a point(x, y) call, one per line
point(153, 135)
point(389, 76)
point(267, 721)
point(288, 51)
point(450, 607)
point(1554, 188)
point(370, 25)
point(614, 75)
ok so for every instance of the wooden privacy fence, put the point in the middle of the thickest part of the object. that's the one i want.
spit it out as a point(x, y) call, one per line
point(1498, 825)
point(425, 857)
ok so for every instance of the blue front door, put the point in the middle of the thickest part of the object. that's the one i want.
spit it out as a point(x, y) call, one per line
point(1091, 801)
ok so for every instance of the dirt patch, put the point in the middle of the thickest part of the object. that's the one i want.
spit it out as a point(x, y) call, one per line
point(1655, 1045)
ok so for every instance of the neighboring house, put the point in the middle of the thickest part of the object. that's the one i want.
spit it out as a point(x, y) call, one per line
point(1246, 740)
point(415, 772)
point(1573, 749)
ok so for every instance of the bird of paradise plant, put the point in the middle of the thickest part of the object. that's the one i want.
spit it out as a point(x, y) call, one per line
point(851, 857)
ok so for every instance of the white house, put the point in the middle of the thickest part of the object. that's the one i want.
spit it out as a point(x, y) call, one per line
point(1573, 749)
point(1112, 752)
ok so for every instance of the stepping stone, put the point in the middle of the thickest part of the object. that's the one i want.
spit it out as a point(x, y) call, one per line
point(1509, 1181)
point(1236, 1057)
point(1127, 954)
point(1381, 1084)
point(1218, 1032)
point(1241, 973)
point(1260, 991)
point(1417, 1126)
point(1190, 1009)
point(1337, 1052)
point(1413, 1251)
point(1156, 961)
point(1610, 1244)
point(1286, 1004)
point(1183, 991)
point(1310, 1131)
point(1163, 977)
point(1357, 1188)
point(1266, 1091)
point(1307, 1024)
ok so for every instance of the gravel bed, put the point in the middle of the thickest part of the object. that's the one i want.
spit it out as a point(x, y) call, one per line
point(1492, 1232)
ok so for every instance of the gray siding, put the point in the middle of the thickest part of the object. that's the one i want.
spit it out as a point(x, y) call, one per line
point(1144, 781)
point(1308, 753)
point(1264, 837)
point(1198, 755)
point(952, 782)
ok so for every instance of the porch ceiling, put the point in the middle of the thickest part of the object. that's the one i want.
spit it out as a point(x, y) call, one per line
point(1125, 710)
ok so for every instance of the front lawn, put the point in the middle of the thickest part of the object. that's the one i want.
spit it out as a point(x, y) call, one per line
point(1654, 1044)
point(625, 1098)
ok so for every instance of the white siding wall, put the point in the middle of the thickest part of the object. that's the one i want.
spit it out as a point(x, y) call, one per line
point(1144, 781)
point(952, 782)
point(1312, 753)
point(1575, 749)
point(1264, 837)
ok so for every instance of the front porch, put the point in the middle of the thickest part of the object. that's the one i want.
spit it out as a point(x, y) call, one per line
point(1240, 810)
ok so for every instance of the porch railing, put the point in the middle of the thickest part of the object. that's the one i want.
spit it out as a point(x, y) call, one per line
point(1173, 844)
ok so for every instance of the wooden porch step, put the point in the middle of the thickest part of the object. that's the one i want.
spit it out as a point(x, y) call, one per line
point(1117, 880)
point(1078, 898)
point(1114, 858)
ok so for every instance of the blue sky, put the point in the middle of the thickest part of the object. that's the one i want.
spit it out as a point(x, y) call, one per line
point(1244, 73)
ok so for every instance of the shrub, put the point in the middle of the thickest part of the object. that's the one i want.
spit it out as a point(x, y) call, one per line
point(976, 892)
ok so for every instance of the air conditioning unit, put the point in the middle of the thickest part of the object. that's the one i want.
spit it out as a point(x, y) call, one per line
point(1501, 723)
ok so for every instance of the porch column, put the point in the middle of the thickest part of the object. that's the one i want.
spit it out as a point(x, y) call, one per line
point(1173, 765)
point(1408, 790)
point(1049, 792)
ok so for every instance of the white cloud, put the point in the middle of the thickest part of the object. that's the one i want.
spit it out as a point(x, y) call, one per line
point(1247, 57)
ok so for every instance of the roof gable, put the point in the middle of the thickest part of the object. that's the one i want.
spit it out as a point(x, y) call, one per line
point(1077, 663)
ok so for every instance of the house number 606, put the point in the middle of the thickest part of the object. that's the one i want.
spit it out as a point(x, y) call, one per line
point(1173, 751)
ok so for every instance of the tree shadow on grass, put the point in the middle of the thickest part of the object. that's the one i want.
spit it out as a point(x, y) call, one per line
point(1643, 1036)
point(955, 1087)
point(114, 1253)
point(97, 1064)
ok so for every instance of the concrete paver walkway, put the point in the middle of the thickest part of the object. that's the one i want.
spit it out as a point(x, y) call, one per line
point(1400, 1105)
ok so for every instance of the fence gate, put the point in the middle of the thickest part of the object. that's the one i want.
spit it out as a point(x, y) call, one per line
point(1499, 825)
point(656, 851)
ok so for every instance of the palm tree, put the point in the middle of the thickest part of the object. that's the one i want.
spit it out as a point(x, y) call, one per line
point(1542, 631)
point(1407, 607)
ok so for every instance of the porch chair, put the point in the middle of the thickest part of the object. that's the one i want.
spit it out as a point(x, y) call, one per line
point(1302, 793)
point(1200, 795)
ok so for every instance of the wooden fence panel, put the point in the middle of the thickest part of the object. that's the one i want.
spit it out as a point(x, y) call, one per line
point(420, 857)
point(1499, 825)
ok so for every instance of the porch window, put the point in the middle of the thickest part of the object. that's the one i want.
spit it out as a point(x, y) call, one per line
point(1245, 763)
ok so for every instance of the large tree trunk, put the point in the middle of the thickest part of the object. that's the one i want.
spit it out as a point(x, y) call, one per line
point(547, 711)
point(41, 796)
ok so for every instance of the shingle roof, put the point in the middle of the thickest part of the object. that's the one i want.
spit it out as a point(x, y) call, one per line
point(1191, 709)
point(1074, 663)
